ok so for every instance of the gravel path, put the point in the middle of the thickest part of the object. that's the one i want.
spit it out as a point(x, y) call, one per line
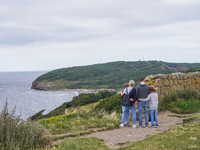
point(129, 134)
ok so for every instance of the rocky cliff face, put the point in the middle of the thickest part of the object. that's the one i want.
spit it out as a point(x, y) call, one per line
point(46, 86)
point(175, 81)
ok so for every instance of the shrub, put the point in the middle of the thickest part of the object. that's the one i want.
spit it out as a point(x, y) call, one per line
point(182, 101)
point(15, 133)
point(110, 104)
point(81, 121)
point(80, 100)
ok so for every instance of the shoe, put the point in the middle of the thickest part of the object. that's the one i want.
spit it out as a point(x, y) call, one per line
point(127, 125)
point(139, 126)
point(157, 126)
point(121, 125)
point(134, 126)
point(152, 126)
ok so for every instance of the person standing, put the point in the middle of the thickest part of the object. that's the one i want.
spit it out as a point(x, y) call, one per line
point(153, 102)
point(125, 110)
point(133, 99)
point(142, 92)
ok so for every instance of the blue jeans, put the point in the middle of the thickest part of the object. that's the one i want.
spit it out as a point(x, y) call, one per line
point(154, 114)
point(140, 109)
point(126, 114)
point(133, 113)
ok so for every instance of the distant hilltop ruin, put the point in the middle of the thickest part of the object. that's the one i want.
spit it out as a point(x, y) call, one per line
point(165, 83)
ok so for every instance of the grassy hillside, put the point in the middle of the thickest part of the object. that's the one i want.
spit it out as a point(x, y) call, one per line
point(109, 75)
point(191, 70)
point(102, 115)
point(78, 101)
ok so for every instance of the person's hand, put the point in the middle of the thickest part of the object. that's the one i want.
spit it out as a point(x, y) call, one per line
point(131, 99)
point(122, 93)
point(136, 105)
point(139, 99)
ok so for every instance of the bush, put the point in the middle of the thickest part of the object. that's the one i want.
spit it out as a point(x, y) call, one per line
point(182, 101)
point(110, 104)
point(81, 121)
point(15, 133)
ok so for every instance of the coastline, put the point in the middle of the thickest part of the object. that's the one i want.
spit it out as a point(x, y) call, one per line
point(80, 91)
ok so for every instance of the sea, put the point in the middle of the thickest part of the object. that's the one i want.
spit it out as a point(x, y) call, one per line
point(15, 88)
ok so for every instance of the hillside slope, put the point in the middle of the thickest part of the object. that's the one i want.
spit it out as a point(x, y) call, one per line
point(105, 76)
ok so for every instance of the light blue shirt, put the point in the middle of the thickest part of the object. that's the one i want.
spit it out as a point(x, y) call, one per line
point(127, 89)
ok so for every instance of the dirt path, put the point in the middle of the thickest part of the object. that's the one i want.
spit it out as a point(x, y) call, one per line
point(129, 134)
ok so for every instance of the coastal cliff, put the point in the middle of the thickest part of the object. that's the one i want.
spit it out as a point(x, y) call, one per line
point(105, 76)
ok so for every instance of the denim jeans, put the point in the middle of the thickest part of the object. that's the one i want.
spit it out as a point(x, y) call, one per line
point(126, 114)
point(140, 109)
point(154, 114)
point(133, 113)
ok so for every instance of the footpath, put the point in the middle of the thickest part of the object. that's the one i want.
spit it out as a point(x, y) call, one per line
point(130, 134)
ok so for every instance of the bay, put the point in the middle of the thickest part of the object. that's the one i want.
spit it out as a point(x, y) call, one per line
point(15, 87)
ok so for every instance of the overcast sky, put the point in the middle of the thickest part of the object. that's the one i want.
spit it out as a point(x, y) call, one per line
point(52, 34)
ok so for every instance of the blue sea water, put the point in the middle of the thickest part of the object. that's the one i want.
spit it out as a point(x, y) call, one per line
point(15, 87)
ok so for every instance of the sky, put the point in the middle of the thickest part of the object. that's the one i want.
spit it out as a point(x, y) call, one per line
point(53, 34)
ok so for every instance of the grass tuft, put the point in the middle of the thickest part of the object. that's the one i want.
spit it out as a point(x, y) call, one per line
point(182, 101)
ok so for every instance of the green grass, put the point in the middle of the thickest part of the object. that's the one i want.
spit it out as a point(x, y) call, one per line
point(178, 138)
point(182, 101)
point(191, 70)
point(102, 116)
point(81, 121)
point(15, 133)
point(81, 100)
point(82, 144)
point(183, 137)
point(192, 118)
point(55, 138)
point(185, 106)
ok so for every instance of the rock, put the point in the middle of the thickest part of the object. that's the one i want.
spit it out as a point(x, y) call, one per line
point(175, 81)
point(158, 82)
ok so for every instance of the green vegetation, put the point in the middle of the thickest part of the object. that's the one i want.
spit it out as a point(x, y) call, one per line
point(86, 117)
point(18, 134)
point(82, 144)
point(85, 112)
point(111, 104)
point(81, 121)
point(177, 138)
point(80, 100)
point(90, 113)
point(191, 70)
point(108, 76)
point(182, 101)
point(192, 118)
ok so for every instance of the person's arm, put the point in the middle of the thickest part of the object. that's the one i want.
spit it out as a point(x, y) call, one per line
point(137, 92)
point(122, 93)
point(146, 99)
point(131, 95)
point(135, 97)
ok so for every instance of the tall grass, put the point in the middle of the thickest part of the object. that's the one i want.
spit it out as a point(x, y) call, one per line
point(15, 133)
point(81, 121)
point(182, 101)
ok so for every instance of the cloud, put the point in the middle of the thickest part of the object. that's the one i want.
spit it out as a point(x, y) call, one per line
point(45, 35)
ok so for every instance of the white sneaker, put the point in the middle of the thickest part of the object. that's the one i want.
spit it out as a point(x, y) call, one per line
point(121, 125)
point(134, 126)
